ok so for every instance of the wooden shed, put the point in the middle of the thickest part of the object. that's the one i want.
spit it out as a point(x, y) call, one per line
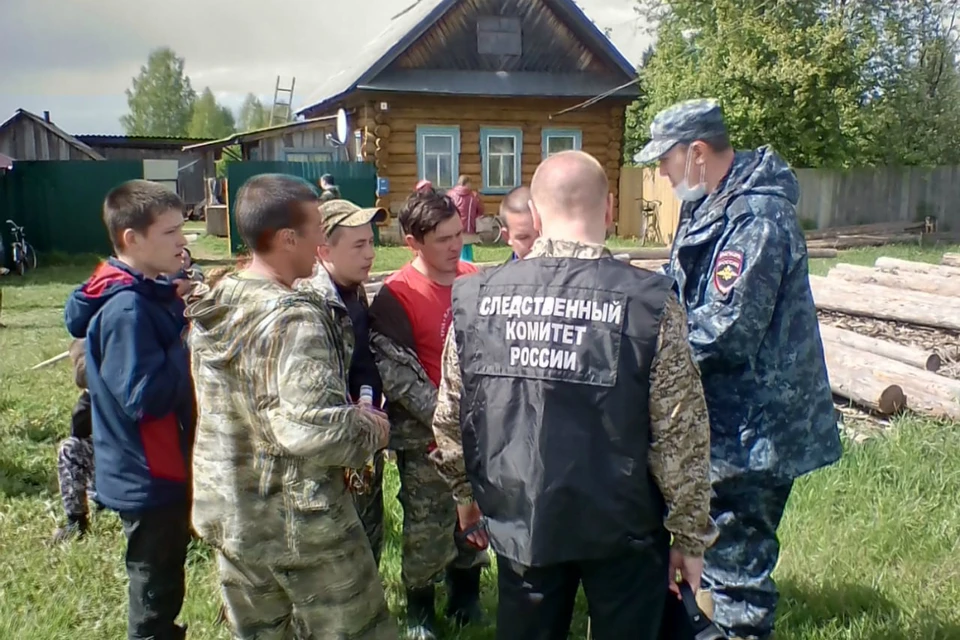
point(309, 140)
point(483, 88)
point(27, 136)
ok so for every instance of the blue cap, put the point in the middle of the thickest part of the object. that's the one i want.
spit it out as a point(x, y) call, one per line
point(682, 123)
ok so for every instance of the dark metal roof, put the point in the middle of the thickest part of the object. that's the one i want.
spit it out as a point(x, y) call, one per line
point(54, 129)
point(257, 134)
point(499, 83)
point(138, 142)
point(406, 27)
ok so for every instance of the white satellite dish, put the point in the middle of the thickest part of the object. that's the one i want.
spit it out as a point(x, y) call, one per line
point(342, 126)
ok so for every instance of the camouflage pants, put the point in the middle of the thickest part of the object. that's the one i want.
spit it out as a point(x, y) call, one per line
point(317, 600)
point(429, 523)
point(75, 472)
point(738, 567)
point(370, 508)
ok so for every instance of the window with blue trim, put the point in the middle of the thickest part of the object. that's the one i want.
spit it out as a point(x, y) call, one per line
point(500, 154)
point(438, 155)
point(556, 140)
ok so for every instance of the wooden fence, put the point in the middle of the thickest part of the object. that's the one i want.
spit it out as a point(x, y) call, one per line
point(828, 198)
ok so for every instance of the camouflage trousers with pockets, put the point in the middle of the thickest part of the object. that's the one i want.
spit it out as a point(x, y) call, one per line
point(370, 508)
point(75, 472)
point(738, 567)
point(429, 523)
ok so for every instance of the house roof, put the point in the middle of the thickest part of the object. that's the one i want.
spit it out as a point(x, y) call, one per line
point(258, 134)
point(138, 142)
point(407, 26)
point(495, 83)
point(52, 128)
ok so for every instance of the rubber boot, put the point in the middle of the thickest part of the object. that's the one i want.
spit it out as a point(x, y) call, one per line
point(76, 527)
point(463, 596)
point(421, 614)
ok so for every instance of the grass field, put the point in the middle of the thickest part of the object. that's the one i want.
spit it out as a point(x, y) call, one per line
point(870, 544)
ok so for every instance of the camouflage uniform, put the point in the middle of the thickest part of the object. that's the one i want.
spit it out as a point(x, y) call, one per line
point(75, 474)
point(275, 433)
point(430, 518)
point(370, 503)
point(740, 263)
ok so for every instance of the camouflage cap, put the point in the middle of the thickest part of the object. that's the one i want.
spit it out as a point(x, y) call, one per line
point(682, 123)
point(343, 213)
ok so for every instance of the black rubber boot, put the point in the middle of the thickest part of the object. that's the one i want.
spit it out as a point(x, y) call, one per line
point(76, 527)
point(421, 614)
point(463, 596)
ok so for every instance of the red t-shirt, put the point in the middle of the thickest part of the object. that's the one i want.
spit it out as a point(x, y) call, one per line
point(428, 307)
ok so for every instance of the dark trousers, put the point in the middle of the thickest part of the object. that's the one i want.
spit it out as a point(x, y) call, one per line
point(157, 542)
point(738, 567)
point(625, 596)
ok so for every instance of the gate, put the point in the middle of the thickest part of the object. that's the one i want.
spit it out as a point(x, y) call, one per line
point(357, 182)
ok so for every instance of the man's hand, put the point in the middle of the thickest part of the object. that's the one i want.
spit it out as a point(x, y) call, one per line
point(690, 569)
point(469, 516)
point(183, 287)
point(379, 424)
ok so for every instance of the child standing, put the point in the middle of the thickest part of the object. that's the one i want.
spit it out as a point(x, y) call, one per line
point(138, 375)
point(75, 458)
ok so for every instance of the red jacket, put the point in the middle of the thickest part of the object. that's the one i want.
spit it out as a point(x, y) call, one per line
point(469, 205)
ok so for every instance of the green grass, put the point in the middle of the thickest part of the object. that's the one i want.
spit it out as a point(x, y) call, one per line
point(869, 545)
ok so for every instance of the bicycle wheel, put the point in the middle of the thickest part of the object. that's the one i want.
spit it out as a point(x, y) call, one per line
point(30, 256)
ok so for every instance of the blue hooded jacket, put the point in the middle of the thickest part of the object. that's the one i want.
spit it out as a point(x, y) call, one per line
point(138, 375)
point(741, 269)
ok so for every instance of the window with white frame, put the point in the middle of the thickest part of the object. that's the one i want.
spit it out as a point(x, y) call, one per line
point(556, 140)
point(500, 154)
point(438, 155)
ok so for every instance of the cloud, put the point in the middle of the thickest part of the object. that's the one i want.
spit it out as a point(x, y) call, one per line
point(76, 57)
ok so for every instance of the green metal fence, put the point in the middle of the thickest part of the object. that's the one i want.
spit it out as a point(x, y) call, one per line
point(357, 182)
point(59, 203)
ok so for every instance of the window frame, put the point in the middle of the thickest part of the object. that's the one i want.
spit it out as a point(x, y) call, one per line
point(547, 133)
point(429, 130)
point(500, 132)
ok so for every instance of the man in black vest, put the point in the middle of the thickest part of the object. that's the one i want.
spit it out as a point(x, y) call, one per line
point(571, 411)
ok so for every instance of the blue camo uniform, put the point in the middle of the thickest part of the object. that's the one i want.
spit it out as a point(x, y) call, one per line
point(739, 262)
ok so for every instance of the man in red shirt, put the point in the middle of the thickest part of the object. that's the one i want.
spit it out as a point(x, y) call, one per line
point(409, 320)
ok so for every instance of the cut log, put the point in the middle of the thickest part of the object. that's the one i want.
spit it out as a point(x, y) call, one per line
point(850, 378)
point(874, 301)
point(905, 281)
point(926, 393)
point(818, 252)
point(663, 253)
point(907, 355)
point(852, 242)
point(950, 260)
point(878, 228)
point(895, 264)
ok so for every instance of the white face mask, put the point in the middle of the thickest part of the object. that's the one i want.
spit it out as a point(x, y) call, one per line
point(684, 191)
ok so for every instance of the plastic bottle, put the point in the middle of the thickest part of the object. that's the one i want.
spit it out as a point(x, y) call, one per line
point(360, 481)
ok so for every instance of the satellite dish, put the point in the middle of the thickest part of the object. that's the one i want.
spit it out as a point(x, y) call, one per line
point(342, 126)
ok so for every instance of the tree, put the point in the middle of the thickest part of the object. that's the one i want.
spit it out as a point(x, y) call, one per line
point(209, 119)
point(253, 115)
point(160, 99)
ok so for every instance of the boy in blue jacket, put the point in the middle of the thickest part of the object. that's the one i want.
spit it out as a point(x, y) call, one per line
point(141, 394)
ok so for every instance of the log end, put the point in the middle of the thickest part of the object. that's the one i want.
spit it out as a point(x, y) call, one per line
point(934, 362)
point(891, 400)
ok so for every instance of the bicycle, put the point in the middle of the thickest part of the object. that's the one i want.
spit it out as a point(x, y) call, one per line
point(489, 230)
point(24, 255)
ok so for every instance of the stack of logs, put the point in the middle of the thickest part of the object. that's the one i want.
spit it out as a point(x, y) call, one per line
point(879, 234)
point(890, 334)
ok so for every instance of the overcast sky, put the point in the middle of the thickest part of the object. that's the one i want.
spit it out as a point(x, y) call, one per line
point(75, 58)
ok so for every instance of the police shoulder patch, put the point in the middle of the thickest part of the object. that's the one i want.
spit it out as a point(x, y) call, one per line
point(727, 270)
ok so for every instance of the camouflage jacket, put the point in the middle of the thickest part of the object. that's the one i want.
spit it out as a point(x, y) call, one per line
point(741, 268)
point(275, 430)
point(411, 395)
point(680, 448)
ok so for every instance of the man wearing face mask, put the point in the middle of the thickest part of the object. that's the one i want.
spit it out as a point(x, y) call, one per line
point(739, 262)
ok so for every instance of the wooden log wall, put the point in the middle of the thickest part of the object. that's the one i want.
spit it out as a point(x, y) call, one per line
point(390, 137)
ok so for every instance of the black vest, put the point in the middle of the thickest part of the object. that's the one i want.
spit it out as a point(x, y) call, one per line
point(556, 355)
